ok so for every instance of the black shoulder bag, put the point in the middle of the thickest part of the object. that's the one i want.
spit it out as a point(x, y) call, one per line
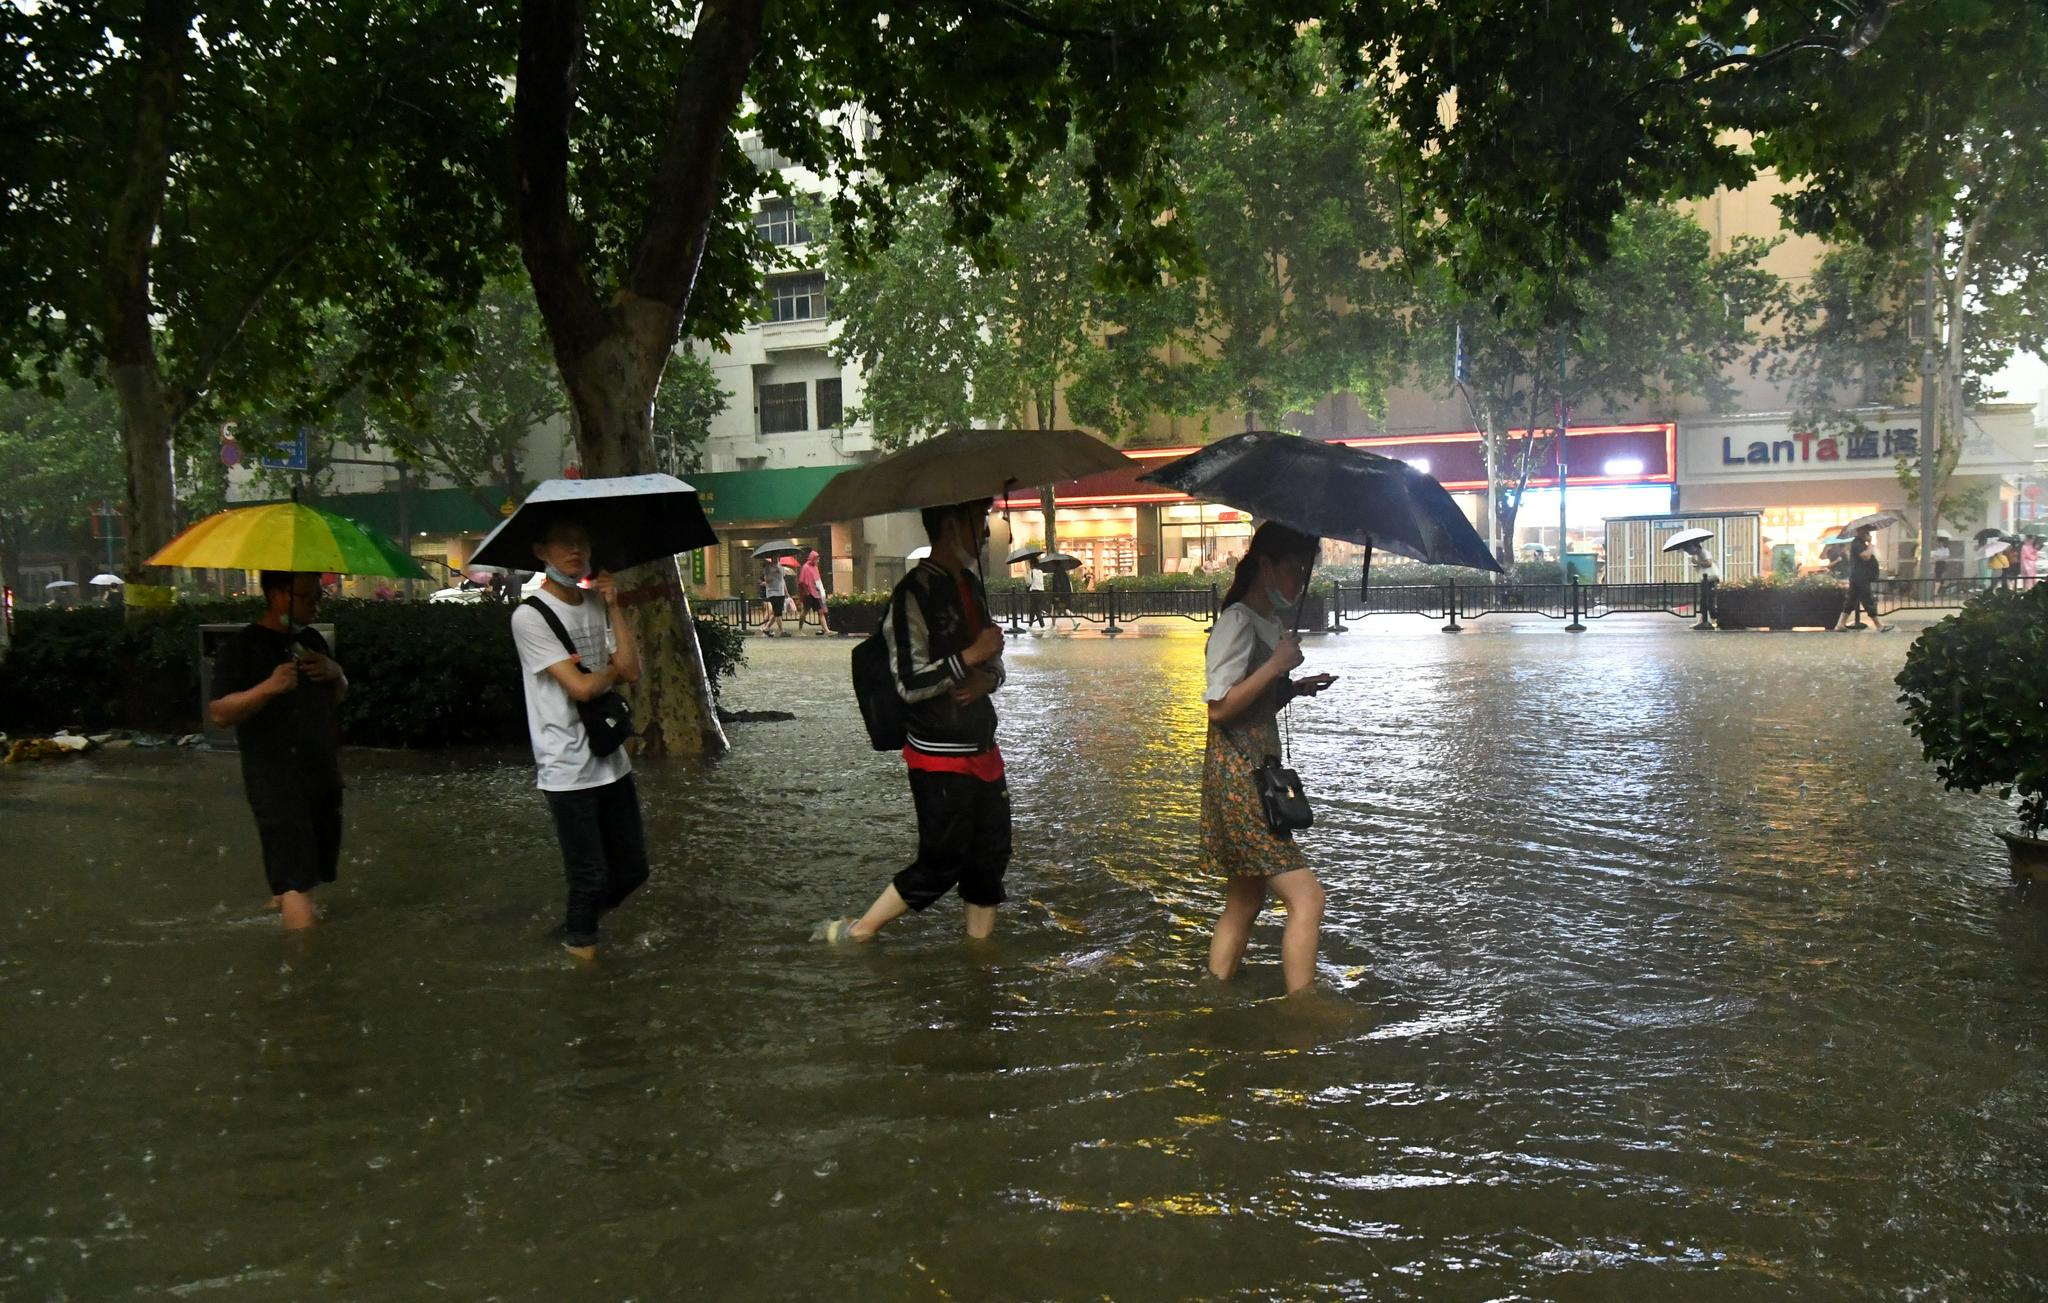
point(606, 717)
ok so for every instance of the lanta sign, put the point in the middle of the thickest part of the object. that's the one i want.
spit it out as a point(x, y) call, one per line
point(1859, 445)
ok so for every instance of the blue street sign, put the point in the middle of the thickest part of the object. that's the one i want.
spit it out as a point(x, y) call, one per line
point(292, 459)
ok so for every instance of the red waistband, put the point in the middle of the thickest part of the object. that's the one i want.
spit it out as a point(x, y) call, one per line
point(984, 765)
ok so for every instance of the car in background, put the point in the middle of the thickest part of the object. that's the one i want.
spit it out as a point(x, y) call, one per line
point(471, 591)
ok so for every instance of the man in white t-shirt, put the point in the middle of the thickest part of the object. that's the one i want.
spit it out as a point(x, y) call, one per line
point(595, 806)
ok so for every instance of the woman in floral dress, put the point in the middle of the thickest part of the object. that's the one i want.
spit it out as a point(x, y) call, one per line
point(1250, 656)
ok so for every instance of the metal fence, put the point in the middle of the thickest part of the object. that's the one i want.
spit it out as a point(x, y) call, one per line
point(1455, 604)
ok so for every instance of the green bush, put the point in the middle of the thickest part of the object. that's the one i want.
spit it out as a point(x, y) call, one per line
point(1975, 689)
point(861, 597)
point(420, 674)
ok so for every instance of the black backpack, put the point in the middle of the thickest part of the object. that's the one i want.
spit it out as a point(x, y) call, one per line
point(874, 687)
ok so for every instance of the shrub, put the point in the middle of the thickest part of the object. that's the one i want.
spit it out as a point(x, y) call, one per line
point(420, 674)
point(861, 597)
point(1975, 689)
point(1777, 583)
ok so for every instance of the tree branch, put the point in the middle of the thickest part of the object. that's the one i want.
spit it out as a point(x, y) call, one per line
point(164, 43)
point(544, 99)
point(691, 175)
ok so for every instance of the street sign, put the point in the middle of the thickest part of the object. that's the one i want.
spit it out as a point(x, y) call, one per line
point(293, 457)
point(697, 566)
point(230, 452)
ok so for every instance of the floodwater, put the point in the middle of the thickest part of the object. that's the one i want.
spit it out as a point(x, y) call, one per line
point(1656, 966)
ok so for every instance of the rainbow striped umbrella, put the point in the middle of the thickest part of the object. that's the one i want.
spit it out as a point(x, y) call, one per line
point(287, 536)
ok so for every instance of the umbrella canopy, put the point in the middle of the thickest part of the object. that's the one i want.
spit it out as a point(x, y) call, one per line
point(960, 466)
point(918, 553)
point(60, 583)
point(1059, 561)
point(1876, 520)
point(1024, 554)
point(1331, 491)
point(632, 519)
point(780, 547)
point(287, 536)
point(106, 581)
point(1986, 535)
point(789, 563)
point(1686, 538)
point(1992, 549)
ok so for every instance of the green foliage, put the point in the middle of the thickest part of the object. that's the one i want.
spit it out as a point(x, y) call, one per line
point(689, 399)
point(1179, 579)
point(1975, 689)
point(1664, 315)
point(1777, 583)
point(865, 597)
point(60, 457)
point(420, 674)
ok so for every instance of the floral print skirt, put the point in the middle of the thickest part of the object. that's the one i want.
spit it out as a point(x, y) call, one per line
point(1235, 839)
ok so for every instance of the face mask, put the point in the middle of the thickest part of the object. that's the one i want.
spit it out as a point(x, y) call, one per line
point(566, 581)
point(1281, 605)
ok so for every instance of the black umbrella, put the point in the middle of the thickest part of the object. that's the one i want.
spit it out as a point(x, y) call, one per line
point(1984, 536)
point(1059, 561)
point(780, 547)
point(1024, 554)
point(632, 519)
point(1331, 491)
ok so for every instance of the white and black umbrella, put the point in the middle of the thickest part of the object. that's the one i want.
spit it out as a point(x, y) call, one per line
point(632, 519)
point(1685, 538)
point(1875, 520)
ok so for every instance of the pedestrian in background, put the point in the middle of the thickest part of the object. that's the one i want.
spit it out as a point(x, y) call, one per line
point(1863, 571)
point(774, 591)
point(810, 586)
point(1034, 585)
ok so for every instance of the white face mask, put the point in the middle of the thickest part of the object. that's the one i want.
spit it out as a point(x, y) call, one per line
point(1281, 604)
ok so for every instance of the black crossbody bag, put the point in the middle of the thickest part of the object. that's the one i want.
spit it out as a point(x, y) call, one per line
point(606, 717)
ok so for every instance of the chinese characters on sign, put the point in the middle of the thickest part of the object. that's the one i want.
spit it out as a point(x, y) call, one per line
point(1857, 445)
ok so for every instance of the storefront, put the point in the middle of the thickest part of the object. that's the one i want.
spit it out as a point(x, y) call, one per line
point(1118, 525)
point(749, 508)
point(1807, 484)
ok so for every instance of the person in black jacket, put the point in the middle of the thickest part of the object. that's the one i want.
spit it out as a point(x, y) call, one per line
point(1863, 572)
point(947, 654)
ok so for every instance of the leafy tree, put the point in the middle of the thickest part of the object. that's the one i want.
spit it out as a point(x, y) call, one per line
point(60, 461)
point(1295, 216)
point(1930, 152)
point(1664, 315)
point(187, 190)
point(690, 399)
point(946, 336)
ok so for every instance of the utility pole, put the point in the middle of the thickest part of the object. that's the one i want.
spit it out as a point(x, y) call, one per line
point(1928, 393)
point(1564, 421)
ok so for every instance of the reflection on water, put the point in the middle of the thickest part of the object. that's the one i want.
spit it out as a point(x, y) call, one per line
point(1655, 966)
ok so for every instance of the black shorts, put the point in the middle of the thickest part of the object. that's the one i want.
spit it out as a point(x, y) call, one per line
point(301, 839)
point(812, 603)
point(963, 839)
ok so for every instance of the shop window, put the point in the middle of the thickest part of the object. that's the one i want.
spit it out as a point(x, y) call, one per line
point(785, 408)
point(831, 410)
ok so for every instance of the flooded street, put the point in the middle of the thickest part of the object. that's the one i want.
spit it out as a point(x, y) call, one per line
point(1656, 965)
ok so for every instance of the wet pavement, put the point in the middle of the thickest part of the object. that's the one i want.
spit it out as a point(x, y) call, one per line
point(1656, 965)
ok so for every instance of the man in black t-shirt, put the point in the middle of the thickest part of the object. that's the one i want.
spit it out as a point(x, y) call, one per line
point(279, 690)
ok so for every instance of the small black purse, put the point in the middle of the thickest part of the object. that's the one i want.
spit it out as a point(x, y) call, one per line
point(606, 717)
point(1280, 795)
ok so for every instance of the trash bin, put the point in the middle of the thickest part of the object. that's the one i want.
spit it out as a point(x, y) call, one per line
point(211, 636)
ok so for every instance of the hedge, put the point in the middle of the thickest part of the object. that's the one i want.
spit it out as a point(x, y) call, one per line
point(420, 674)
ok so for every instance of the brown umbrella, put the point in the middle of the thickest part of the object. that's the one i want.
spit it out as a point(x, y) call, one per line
point(959, 466)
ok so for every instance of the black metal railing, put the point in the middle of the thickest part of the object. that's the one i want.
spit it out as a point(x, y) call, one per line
point(1573, 603)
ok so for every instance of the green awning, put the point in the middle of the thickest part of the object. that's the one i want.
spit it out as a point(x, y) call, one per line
point(759, 497)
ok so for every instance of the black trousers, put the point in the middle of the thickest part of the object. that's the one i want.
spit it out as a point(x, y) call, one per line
point(300, 832)
point(1707, 590)
point(1861, 595)
point(1037, 606)
point(963, 839)
point(604, 852)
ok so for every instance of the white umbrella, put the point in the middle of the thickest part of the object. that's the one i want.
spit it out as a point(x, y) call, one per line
point(1686, 538)
point(103, 581)
point(1993, 549)
point(918, 553)
point(60, 583)
point(1876, 520)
